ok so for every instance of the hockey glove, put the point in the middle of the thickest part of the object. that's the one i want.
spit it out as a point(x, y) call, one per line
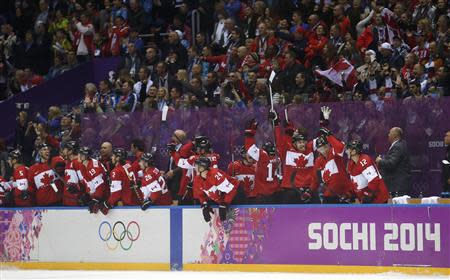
point(325, 131)
point(24, 195)
point(71, 188)
point(147, 203)
point(250, 129)
point(104, 208)
point(85, 199)
point(305, 195)
point(207, 210)
point(171, 147)
point(94, 206)
point(289, 129)
point(326, 112)
point(223, 209)
point(368, 197)
point(9, 197)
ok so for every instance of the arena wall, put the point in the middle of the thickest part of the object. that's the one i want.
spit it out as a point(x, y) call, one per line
point(346, 239)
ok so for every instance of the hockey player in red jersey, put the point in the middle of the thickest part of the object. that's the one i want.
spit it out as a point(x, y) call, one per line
point(75, 186)
point(97, 187)
point(299, 184)
point(202, 147)
point(6, 193)
point(331, 164)
point(244, 171)
point(137, 149)
point(123, 187)
point(41, 178)
point(267, 184)
point(21, 192)
point(153, 186)
point(367, 181)
point(216, 187)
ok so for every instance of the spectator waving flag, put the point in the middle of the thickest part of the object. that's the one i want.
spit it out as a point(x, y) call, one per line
point(342, 71)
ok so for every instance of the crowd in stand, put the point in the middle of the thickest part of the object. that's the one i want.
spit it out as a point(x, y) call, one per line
point(397, 49)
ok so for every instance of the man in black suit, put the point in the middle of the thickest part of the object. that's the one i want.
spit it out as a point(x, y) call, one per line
point(446, 167)
point(395, 166)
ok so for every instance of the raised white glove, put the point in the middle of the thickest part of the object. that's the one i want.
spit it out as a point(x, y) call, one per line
point(326, 111)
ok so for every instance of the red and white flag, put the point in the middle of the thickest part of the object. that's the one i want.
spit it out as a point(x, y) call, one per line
point(339, 72)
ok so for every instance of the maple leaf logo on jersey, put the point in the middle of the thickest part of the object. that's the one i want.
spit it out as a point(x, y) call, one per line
point(300, 161)
point(47, 179)
point(247, 183)
point(326, 176)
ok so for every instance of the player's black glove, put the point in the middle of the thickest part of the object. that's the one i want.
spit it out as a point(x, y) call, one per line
point(94, 206)
point(104, 208)
point(289, 129)
point(305, 195)
point(251, 127)
point(223, 209)
point(207, 210)
point(445, 194)
point(171, 147)
point(9, 197)
point(147, 203)
point(72, 188)
point(24, 195)
point(368, 197)
point(85, 199)
point(273, 117)
point(325, 131)
point(346, 199)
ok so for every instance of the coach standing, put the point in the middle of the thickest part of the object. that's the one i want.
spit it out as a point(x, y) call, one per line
point(446, 167)
point(395, 166)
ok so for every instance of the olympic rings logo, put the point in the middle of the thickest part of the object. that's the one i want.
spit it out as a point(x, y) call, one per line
point(121, 235)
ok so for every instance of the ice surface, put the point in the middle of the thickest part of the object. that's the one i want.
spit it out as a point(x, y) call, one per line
point(140, 275)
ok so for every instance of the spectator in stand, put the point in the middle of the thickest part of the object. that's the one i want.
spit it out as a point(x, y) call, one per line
point(84, 38)
point(126, 100)
point(131, 62)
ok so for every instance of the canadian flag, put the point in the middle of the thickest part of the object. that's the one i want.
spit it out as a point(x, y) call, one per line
point(339, 72)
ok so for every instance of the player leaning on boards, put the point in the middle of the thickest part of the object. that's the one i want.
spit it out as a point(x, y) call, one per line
point(216, 187)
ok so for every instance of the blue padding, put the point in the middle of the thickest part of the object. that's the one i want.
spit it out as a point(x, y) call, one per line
point(176, 239)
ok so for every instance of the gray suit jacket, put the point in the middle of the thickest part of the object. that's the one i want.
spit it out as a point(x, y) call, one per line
point(395, 168)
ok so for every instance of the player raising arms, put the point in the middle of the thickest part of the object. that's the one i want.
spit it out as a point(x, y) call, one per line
point(97, 187)
point(21, 192)
point(266, 180)
point(244, 171)
point(153, 186)
point(217, 187)
point(122, 186)
point(299, 184)
point(366, 179)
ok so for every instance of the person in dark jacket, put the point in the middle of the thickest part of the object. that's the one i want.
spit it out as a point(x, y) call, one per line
point(446, 167)
point(395, 166)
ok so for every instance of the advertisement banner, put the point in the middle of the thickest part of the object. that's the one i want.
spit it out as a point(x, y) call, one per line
point(66, 235)
point(354, 236)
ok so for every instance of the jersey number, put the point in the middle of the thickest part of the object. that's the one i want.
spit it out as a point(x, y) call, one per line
point(269, 172)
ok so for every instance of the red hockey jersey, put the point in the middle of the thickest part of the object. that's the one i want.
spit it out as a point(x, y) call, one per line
point(298, 167)
point(245, 174)
point(218, 187)
point(332, 169)
point(43, 179)
point(121, 183)
point(95, 180)
point(154, 187)
point(20, 183)
point(266, 180)
point(366, 178)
